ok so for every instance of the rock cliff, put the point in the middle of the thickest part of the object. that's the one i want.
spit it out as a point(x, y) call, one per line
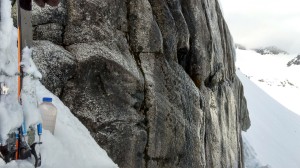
point(153, 80)
point(294, 61)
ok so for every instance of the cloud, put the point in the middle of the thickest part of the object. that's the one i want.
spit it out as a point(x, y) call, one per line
point(259, 23)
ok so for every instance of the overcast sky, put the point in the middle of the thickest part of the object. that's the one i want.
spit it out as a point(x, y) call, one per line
point(260, 23)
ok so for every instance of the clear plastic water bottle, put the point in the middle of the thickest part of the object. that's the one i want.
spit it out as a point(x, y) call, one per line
point(49, 113)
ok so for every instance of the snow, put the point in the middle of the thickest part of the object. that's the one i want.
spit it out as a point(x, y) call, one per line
point(250, 156)
point(71, 146)
point(274, 136)
point(275, 131)
point(271, 73)
point(9, 105)
point(74, 146)
point(28, 94)
point(28, 65)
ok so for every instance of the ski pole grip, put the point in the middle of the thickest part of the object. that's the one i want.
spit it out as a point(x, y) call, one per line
point(23, 129)
point(39, 129)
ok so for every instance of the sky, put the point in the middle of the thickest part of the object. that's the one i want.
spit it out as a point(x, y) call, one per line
point(261, 23)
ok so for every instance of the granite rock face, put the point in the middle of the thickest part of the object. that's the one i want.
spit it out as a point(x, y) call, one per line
point(153, 80)
point(57, 65)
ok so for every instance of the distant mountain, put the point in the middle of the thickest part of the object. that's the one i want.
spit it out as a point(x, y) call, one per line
point(295, 61)
point(270, 50)
point(239, 46)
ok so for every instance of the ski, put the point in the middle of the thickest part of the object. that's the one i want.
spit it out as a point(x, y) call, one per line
point(24, 39)
point(26, 143)
point(18, 77)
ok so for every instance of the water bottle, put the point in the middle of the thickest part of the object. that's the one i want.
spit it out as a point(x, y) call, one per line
point(48, 112)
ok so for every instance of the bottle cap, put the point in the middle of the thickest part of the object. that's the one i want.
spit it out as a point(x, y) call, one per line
point(47, 99)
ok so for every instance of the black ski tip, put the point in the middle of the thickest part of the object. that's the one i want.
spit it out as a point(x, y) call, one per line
point(26, 4)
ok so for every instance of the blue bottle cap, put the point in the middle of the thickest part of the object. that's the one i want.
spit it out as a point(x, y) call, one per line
point(47, 99)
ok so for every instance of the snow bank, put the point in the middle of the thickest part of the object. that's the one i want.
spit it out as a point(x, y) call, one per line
point(250, 156)
point(275, 131)
point(272, 91)
point(72, 145)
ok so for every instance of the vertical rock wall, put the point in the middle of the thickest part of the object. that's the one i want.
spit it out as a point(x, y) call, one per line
point(153, 80)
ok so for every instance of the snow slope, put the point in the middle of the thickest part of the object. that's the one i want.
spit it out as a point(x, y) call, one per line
point(270, 72)
point(275, 131)
point(274, 136)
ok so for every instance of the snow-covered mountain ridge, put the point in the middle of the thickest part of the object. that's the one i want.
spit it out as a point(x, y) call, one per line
point(270, 50)
point(295, 61)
